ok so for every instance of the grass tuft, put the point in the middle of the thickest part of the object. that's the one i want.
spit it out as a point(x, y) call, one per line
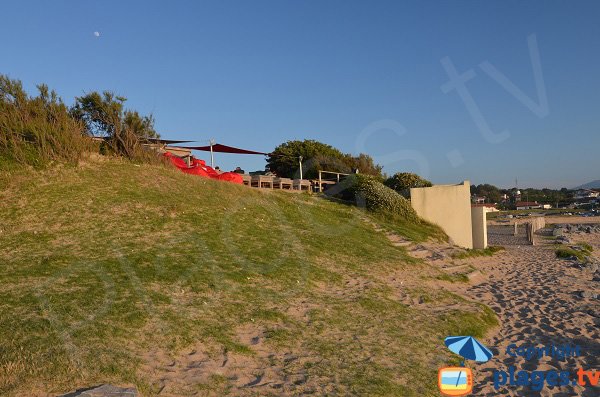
point(473, 253)
point(579, 251)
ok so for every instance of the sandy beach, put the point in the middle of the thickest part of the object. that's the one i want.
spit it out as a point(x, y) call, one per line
point(538, 299)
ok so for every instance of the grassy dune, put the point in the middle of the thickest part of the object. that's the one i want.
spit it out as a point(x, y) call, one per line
point(109, 266)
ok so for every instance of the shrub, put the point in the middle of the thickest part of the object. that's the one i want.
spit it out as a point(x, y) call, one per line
point(125, 130)
point(366, 191)
point(402, 182)
point(37, 130)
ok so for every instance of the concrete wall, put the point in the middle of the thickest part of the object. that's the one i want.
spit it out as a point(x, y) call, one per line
point(479, 227)
point(448, 206)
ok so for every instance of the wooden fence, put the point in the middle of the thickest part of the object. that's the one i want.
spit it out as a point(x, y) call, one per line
point(532, 225)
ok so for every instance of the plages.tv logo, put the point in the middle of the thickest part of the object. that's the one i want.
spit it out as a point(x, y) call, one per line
point(455, 381)
point(458, 381)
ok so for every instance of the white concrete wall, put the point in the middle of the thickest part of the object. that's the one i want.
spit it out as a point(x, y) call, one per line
point(448, 206)
point(479, 227)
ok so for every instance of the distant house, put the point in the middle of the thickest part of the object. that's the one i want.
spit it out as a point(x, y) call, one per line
point(585, 193)
point(528, 205)
point(546, 206)
point(478, 199)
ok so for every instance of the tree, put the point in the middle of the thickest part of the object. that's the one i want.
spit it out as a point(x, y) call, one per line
point(364, 163)
point(490, 192)
point(402, 182)
point(105, 115)
point(317, 156)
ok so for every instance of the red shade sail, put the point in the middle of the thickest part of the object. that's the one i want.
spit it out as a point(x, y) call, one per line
point(222, 149)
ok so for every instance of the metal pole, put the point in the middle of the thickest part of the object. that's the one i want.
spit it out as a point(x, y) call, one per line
point(300, 161)
point(212, 156)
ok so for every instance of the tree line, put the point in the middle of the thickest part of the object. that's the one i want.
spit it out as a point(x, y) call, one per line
point(494, 194)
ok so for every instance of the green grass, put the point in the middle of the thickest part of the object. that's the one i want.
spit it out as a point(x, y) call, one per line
point(106, 262)
point(587, 247)
point(473, 253)
point(569, 252)
point(418, 232)
point(454, 278)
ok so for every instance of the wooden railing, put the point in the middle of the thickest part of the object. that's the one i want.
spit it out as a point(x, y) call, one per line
point(338, 176)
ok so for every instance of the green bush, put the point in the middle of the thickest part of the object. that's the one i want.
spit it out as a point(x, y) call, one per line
point(402, 182)
point(366, 191)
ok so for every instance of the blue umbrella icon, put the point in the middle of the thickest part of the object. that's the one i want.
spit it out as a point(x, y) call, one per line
point(469, 348)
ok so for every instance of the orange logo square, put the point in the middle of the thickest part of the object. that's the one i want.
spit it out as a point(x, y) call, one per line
point(455, 381)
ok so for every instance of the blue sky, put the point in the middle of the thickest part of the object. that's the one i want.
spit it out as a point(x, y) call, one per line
point(361, 76)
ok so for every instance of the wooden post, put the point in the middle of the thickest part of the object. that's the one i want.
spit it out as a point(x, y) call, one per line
point(320, 183)
point(529, 232)
point(516, 229)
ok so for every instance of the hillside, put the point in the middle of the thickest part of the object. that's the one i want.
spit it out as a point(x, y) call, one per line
point(590, 185)
point(140, 275)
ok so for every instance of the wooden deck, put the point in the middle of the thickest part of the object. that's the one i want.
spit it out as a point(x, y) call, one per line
point(282, 183)
point(262, 181)
point(273, 182)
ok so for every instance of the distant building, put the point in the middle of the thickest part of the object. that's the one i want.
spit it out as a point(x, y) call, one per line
point(585, 193)
point(478, 199)
point(527, 205)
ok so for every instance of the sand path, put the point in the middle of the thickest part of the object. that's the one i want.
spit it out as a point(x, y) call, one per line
point(536, 297)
